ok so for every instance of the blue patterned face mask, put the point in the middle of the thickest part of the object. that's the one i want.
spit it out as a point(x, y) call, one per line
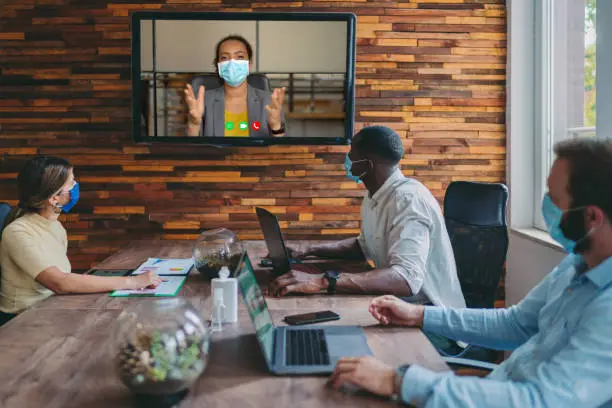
point(233, 72)
point(348, 164)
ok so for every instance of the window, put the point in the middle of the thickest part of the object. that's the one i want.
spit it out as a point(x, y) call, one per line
point(565, 60)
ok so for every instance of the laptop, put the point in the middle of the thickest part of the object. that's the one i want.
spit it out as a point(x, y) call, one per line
point(291, 350)
point(278, 254)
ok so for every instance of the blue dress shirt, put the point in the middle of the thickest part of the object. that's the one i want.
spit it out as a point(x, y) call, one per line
point(561, 334)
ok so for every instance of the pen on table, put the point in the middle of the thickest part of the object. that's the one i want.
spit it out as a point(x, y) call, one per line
point(158, 261)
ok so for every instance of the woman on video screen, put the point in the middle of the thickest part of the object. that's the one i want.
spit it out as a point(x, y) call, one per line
point(235, 109)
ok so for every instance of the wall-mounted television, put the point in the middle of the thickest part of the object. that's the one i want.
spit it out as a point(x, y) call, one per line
point(244, 79)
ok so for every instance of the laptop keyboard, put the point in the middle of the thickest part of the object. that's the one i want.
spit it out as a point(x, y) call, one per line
point(306, 348)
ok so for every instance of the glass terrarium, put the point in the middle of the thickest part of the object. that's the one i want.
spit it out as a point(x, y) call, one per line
point(215, 249)
point(160, 347)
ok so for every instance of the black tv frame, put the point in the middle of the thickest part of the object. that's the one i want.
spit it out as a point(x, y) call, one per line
point(349, 85)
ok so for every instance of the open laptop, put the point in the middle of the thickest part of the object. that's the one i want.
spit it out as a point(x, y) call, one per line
point(278, 253)
point(297, 350)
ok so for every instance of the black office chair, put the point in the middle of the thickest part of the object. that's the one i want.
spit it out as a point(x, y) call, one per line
point(475, 215)
point(4, 211)
point(212, 81)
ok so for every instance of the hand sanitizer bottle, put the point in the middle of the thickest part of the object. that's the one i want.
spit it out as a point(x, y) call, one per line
point(229, 288)
point(218, 308)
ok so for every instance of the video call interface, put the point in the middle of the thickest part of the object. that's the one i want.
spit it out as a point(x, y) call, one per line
point(243, 79)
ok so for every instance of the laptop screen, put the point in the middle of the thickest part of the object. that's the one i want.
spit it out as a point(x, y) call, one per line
point(274, 239)
point(257, 307)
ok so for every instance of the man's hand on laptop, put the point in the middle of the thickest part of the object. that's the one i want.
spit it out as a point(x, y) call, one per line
point(389, 309)
point(367, 373)
point(300, 279)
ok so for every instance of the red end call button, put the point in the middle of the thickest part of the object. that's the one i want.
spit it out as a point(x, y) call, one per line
point(256, 125)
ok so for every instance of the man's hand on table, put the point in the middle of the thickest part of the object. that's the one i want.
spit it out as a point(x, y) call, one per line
point(300, 279)
point(369, 373)
point(296, 253)
point(389, 309)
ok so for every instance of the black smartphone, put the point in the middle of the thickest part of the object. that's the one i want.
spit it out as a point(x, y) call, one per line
point(111, 272)
point(309, 318)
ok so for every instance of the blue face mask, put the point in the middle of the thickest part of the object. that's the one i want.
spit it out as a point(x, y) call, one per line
point(553, 216)
point(74, 197)
point(348, 164)
point(233, 72)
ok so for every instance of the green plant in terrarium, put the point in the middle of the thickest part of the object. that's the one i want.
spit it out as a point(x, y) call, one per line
point(160, 349)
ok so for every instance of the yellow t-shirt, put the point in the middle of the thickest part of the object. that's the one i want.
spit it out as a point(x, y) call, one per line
point(236, 124)
point(29, 245)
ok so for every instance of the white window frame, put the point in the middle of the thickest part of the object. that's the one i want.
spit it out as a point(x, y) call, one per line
point(544, 107)
point(559, 101)
point(526, 168)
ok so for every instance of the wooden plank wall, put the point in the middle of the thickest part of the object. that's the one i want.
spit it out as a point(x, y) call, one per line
point(434, 70)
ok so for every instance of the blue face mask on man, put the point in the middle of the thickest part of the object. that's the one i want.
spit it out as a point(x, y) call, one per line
point(74, 192)
point(348, 164)
point(233, 72)
point(553, 216)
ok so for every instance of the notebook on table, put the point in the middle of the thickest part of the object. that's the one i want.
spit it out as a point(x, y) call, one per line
point(169, 286)
point(173, 273)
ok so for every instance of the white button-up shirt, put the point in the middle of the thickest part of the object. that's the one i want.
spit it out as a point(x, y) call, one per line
point(402, 228)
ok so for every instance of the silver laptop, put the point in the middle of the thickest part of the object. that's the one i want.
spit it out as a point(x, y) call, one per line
point(297, 350)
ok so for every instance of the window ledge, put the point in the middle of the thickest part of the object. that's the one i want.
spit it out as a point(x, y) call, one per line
point(538, 236)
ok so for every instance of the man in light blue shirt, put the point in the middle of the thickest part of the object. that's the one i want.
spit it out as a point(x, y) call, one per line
point(561, 333)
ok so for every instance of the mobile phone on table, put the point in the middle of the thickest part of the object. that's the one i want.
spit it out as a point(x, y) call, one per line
point(110, 272)
point(310, 318)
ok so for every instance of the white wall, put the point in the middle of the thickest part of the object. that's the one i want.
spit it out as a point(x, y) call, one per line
point(520, 109)
point(603, 23)
point(283, 47)
point(529, 260)
point(302, 46)
point(146, 45)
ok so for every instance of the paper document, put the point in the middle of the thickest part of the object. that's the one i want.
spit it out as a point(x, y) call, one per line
point(170, 286)
point(165, 266)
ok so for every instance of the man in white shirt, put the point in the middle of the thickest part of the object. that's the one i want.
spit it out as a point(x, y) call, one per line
point(402, 232)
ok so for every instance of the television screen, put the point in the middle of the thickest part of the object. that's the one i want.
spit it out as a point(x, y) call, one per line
point(243, 78)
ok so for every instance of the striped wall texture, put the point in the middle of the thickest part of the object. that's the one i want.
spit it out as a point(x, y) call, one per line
point(434, 70)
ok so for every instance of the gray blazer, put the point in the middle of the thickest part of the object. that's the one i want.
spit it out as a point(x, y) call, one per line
point(213, 121)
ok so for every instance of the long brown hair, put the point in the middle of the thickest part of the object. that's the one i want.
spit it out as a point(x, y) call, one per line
point(40, 178)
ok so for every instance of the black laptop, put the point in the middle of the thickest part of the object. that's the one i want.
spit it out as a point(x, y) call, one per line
point(278, 254)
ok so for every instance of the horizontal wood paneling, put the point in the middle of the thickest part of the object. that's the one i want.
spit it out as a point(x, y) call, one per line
point(434, 70)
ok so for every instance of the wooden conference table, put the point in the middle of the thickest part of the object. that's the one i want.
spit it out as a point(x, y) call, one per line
point(57, 354)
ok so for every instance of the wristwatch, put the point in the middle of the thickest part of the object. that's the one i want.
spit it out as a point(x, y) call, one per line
point(277, 131)
point(332, 278)
point(399, 379)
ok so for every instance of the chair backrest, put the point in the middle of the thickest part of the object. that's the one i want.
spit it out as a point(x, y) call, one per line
point(212, 81)
point(475, 215)
point(4, 210)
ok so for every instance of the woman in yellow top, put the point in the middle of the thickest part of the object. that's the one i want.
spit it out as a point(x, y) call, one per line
point(33, 249)
point(235, 109)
